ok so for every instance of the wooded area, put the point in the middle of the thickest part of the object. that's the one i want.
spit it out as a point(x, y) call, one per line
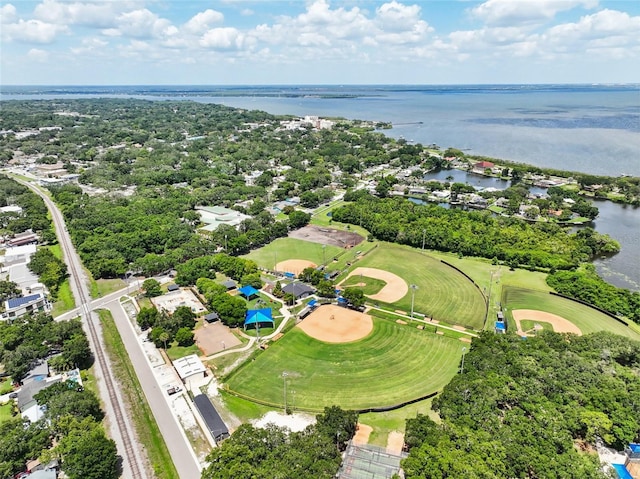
point(531, 409)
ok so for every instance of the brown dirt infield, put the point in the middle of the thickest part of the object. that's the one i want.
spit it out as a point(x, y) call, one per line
point(334, 324)
point(395, 289)
point(323, 235)
point(362, 434)
point(560, 324)
point(294, 266)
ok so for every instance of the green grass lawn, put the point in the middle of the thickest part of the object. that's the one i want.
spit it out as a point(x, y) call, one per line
point(176, 352)
point(6, 386)
point(65, 301)
point(529, 326)
point(482, 272)
point(443, 293)
point(587, 319)
point(393, 364)
point(290, 248)
point(371, 285)
point(6, 411)
point(385, 422)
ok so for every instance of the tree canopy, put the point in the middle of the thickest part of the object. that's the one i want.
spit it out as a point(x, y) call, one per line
point(531, 408)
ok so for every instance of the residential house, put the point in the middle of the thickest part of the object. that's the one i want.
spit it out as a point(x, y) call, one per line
point(17, 307)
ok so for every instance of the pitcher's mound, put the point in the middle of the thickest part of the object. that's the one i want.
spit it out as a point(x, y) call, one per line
point(294, 266)
point(334, 324)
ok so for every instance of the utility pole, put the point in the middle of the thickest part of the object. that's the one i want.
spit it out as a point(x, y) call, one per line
point(284, 380)
point(413, 295)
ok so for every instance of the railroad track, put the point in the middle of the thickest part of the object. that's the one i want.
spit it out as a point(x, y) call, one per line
point(129, 454)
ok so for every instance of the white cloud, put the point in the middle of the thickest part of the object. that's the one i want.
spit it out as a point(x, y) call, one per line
point(202, 22)
point(524, 12)
point(89, 45)
point(602, 30)
point(8, 13)
point(396, 17)
point(32, 31)
point(226, 38)
point(145, 24)
point(98, 15)
point(37, 55)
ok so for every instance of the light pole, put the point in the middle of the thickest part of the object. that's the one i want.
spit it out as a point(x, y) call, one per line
point(413, 295)
point(424, 237)
point(464, 350)
point(284, 380)
point(225, 243)
point(324, 254)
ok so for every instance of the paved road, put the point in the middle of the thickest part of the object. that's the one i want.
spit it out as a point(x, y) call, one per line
point(179, 448)
point(120, 425)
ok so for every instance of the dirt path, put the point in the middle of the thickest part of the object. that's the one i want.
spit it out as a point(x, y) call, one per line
point(395, 442)
point(362, 434)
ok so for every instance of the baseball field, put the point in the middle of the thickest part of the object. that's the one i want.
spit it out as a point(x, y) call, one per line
point(442, 292)
point(392, 364)
point(588, 320)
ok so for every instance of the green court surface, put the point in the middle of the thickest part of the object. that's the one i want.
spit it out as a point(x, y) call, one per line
point(395, 363)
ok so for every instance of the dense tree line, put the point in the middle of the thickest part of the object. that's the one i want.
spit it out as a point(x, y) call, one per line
point(474, 233)
point(530, 409)
point(239, 269)
point(34, 215)
point(276, 452)
point(154, 230)
point(165, 327)
point(50, 270)
point(231, 309)
point(586, 285)
point(29, 338)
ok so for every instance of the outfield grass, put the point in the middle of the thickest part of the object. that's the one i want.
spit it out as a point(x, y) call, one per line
point(371, 285)
point(393, 364)
point(589, 320)
point(491, 278)
point(385, 422)
point(283, 249)
point(146, 426)
point(443, 293)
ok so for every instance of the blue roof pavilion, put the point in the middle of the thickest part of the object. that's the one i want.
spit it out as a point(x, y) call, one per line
point(258, 317)
point(248, 291)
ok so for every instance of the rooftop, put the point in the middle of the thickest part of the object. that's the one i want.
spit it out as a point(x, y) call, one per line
point(188, 366)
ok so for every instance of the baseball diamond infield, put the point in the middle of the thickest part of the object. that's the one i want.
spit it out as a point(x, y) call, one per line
point(334, 324)
point(560, 324)
point(395, 289)
point(294, 265)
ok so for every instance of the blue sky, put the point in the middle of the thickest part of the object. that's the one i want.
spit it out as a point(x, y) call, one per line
point(227, 42)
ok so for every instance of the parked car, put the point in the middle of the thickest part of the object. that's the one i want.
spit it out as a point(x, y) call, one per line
point(173, 390)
